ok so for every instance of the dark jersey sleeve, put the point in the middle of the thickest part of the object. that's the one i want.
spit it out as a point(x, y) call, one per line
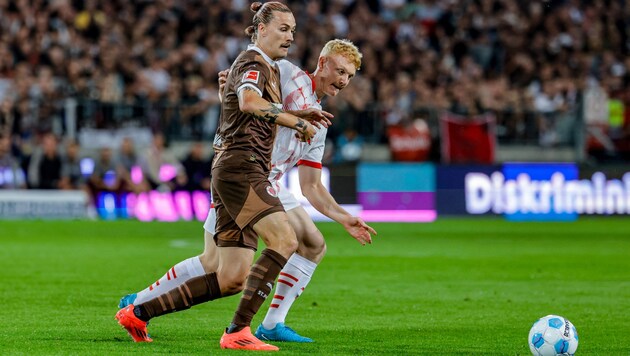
point(251, 74)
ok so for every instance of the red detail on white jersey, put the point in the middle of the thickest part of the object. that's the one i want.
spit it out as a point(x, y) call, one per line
point(157, 283)
point(151, 287)
point(313, 87)
point(296, 100)
point(168, 275)
point(251, 76)
point(173, 270)
point(274, 305)
point(278, 297)
point(309, 164)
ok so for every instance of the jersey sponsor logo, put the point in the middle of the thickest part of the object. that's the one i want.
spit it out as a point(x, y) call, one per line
point(272, 191)
point(251, 76)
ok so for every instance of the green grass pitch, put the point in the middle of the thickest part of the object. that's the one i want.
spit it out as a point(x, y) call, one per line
point(452, 287)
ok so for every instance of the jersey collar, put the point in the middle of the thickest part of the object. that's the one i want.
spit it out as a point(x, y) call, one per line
point(313, 85)
point(266, 57)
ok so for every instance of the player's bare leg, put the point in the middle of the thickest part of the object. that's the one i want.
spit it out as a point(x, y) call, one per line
point(199, 285)
point(293, 278)
point(179, 274)
point(281, 243)
point(210, 257)
point(197, 290)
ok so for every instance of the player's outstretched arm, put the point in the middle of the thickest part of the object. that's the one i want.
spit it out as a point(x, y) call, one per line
point(312, 115)
point(249, 101)
point(315, 116)
point(320, 198)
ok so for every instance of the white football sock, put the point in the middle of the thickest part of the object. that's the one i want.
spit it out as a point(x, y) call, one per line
point(173, 278)
point(291, 282)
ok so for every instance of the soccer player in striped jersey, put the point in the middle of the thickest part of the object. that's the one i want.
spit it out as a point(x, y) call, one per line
point(301, 95)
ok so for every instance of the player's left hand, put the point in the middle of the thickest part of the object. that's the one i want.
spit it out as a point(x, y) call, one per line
point(222, 80)
point(316, 117)
point(305, 131)
point(359, 230)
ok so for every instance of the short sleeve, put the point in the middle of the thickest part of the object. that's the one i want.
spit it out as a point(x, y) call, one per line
point(313, 157)
point(252, 75)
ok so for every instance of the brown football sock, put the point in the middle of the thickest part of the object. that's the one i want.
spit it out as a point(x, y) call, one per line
point(195, 291)
point(258, 286)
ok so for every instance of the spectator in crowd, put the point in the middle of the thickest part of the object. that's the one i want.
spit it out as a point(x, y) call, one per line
point(197, 168)
point(105, 176)
point(44, 170)
point(127, 157)
point(71, 174)
point(11, 174)
point(6, 116)
point(349, 147)
point(444, 55)
point(129, 169)
point(194, 106)
point(161, 168)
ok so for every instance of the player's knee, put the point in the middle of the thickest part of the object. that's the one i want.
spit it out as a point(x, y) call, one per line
point(209, 262)
point(283, 242)
point(232, 277)
point(287, 246)
point(313, 248)
point(321, 249)
point(318, 243)
point(233, 287)
point(232, 284)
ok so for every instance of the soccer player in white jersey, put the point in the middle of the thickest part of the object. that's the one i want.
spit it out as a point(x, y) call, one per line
point(301, 94)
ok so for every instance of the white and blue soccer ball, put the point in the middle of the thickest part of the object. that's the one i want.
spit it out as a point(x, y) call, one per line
point(553, 335)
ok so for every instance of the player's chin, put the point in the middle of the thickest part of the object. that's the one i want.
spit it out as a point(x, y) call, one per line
point(333, 91)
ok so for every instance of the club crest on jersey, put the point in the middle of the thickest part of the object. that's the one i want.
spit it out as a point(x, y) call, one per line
point(251, 76)
point(272, 191)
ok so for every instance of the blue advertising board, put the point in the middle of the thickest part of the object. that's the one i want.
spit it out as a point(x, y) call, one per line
point(518, 191)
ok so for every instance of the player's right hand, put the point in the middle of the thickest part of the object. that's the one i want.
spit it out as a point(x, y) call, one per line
point(359, 230)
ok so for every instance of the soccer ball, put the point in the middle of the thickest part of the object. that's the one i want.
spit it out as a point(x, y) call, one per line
point(553, 335)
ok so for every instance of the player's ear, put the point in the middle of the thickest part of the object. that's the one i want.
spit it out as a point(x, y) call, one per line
point(321, 61)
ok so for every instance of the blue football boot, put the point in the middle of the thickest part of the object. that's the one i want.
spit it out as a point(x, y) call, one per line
point(280, 333)
point(127, 300)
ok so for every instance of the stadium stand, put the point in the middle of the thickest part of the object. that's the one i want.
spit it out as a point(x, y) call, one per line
point(553, 75)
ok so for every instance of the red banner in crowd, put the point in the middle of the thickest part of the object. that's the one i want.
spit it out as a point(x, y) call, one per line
point(467, 139)
point(410, 141)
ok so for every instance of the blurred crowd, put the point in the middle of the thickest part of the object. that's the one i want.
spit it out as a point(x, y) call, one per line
point(121, 169)
point(155, 63)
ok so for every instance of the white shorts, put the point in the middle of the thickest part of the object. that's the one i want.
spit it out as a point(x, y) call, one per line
point(288, 200)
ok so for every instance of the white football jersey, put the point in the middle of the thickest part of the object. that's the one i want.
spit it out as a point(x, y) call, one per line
point(298, 93)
